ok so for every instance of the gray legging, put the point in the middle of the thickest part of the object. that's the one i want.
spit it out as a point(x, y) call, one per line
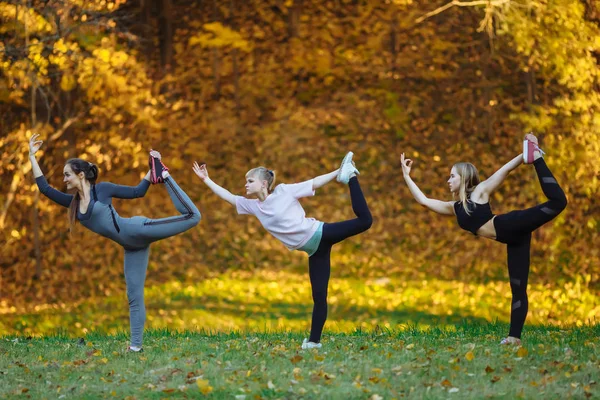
point(134, 234)
point(144, 230)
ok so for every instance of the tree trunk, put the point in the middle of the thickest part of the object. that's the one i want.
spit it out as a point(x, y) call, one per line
point(394, 41)
point(36, 227)
point(36, 236)
point(531, 88)
point(215, 53)
point(236, 69)
point(146, 13)
point(165, 32)
point(294, 19)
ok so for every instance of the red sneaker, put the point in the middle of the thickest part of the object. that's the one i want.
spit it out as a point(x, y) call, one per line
point(529, 148)
point(156, 169)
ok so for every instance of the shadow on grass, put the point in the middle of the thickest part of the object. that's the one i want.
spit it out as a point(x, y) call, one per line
point(202, 312)
point(338, 310)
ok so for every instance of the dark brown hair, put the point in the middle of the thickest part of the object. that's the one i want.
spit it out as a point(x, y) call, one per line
point(90, 172)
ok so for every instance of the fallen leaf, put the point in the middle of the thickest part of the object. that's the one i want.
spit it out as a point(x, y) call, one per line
point(204, 386)
point(469, 356)
point(522, 352)
point(296, 359)
point(495, 379)
point(446, 383)
point(489, 369)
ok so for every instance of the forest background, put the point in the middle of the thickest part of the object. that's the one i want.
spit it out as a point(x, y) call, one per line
point(293, 85)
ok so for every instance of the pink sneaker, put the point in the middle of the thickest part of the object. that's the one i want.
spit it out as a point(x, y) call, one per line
point(156, 169)
point(529, 148)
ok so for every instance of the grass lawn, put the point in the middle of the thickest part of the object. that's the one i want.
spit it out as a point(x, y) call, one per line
point(465, 362)
point(238, 336)
point(266, 300)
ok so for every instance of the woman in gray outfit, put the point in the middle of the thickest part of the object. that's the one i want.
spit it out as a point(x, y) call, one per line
point(91, 205)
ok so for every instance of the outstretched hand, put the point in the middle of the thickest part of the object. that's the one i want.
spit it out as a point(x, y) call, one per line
point(406, 164)
point(200, 170)
point(34, 144)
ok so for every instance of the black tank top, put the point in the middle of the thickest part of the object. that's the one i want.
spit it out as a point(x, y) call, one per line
point(480, 214)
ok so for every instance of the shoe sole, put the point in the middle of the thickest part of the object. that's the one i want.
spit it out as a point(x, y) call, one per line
point(347, 157)
point(156, 170)
point(525, 152)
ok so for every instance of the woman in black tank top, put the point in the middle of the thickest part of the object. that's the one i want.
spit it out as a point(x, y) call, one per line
point(474, 214)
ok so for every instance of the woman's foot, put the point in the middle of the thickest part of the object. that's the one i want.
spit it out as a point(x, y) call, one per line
point(133, 349)
point(310, 345)
point(531, 149)
point(510, 340)
point(157, 168)
point(347, 169)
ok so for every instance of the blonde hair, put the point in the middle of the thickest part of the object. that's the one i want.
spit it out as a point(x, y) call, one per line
point(469, 179)
point(263, 174)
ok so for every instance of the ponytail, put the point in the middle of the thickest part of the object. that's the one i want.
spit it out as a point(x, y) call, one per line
point(73, 211)
point(90, 172)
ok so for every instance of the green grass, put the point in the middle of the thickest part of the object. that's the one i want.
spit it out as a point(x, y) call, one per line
point(237, 336)
point(463, 362)
point(266, 300)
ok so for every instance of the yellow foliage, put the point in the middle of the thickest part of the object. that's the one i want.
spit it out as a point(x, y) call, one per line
point(217, 35)
point(22, 20)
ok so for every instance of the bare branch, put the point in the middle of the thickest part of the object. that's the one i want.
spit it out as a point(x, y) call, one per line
point(65, 126)
point(458, 3)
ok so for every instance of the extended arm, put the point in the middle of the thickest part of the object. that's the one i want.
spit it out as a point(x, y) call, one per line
point(131, 192)
point(126, 192)
point(223, 193)
point(322, 180)
point(492, 183)
point(440, 207)
point(56, 196)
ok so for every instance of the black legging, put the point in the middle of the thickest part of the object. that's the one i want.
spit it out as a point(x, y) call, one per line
point(319, 264)
point(515, 230)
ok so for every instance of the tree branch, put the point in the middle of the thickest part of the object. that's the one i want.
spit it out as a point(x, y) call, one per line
point(459, 3)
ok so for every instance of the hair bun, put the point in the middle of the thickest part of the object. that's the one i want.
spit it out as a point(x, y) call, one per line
point(92, 173)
